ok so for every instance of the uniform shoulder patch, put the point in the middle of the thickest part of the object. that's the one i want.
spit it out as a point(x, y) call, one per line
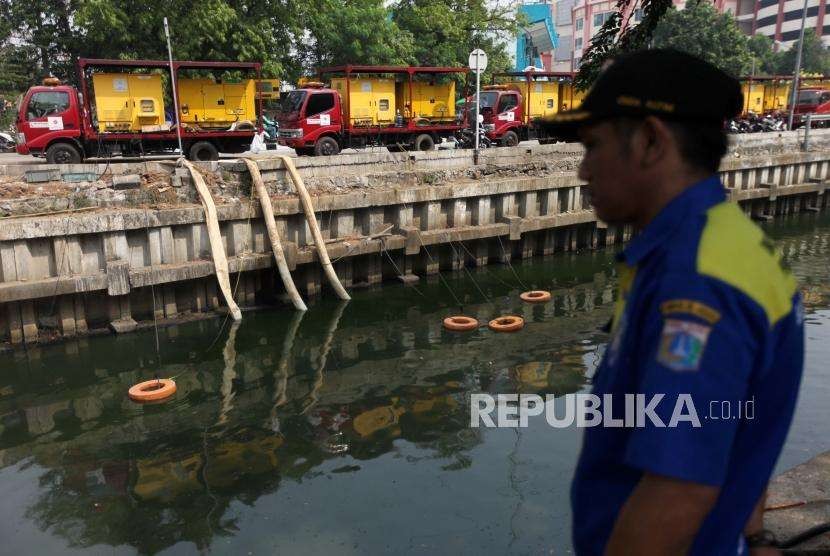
point(682, 344)
point(690, 307)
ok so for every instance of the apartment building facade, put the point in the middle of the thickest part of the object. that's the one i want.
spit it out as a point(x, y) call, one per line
point(577, 21)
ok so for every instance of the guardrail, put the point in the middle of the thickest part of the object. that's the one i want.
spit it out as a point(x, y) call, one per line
point(808, 123)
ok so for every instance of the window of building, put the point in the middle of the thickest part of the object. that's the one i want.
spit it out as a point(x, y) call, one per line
point(47, 103)
point(549, 103)
point(576, 62)
point(319, 102)
point(638, 15)
point(599, 19)
point(579, 24)
point(578, 43)
point(383, 105)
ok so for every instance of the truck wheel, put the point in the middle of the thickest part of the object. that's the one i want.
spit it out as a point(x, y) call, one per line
point(326, 146)
point(510, 139)
point(424, 142)
point(203, 151)
point(63, 153)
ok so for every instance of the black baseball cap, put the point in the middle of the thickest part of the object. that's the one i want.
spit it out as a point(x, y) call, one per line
point(669, 84)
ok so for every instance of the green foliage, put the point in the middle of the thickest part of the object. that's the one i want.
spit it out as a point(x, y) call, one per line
point(352, 32)
point(446, 31)
point(609, 41)
point(766, 60)
point(290, 37)
point(814, 58)
point(702, 31)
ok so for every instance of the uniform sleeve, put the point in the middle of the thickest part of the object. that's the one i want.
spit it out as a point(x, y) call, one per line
point(697, 349)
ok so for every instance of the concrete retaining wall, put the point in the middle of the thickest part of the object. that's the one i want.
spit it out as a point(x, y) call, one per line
point(65, 274)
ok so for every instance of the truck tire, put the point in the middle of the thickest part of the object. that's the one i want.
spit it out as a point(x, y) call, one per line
point(424, 142)
point(509, 139)
point(63, 153)
point(203, 151)
point(326, 146)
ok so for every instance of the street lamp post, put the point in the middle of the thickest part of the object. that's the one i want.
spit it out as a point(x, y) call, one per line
point(797, 74)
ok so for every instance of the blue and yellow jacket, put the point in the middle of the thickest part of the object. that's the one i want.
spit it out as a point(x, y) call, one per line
point(708, 317)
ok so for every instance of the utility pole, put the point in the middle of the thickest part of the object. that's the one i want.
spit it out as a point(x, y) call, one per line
point(173, 86)
point(797, 74)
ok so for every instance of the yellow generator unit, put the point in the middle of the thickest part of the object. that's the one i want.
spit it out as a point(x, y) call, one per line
point(753, 96)
point(432, 101)
point(127, 101)
point(208, 104)
point(542, 99)
point(369, 102)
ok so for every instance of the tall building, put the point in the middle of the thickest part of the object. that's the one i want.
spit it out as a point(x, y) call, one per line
point(537, 39)
point(780, 20)
point(577, 21)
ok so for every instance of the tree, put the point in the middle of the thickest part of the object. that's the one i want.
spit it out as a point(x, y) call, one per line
point(446, 31)
point(340, 32)
point(702, 31)
point(766, 59)
point(814, 58)
point(612, 39)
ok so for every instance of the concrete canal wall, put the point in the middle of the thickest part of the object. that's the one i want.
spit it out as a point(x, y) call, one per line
point(128, 245)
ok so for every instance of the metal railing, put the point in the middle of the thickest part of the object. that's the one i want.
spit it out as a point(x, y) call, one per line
point(808, 123)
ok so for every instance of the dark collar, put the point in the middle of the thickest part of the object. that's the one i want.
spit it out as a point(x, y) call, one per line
point(695, 199)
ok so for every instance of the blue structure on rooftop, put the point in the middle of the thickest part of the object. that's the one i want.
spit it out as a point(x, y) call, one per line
point(537, 36)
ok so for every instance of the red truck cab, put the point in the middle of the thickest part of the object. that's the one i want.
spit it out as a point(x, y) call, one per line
point(311, 121)
point(49, 122)
point(502, 111)
point(810, 100)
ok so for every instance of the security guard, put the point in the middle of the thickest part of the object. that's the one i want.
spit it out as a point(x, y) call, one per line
point(707, 328)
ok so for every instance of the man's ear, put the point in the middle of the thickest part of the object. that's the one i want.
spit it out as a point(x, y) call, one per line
point(655, 141)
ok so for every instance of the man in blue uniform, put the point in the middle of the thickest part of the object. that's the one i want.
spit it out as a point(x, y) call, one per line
point(707, 320)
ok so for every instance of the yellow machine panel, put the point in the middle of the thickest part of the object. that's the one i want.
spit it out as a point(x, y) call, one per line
point(753, 97)
point(542, 100)
point(434, 101)
point(569, 97)
point(216, 105)
point(370, 101)
point(776, 95)
point(126, 102)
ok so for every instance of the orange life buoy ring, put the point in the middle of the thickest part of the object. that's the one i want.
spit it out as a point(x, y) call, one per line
point(535, 296)
point(508, 323)
point(152, 390)
point(460, 323)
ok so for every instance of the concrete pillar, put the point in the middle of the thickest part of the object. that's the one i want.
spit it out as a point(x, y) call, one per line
point(168, 293)
point(550, 202)
point(66, 316)
point(527, 204)
point(311, 281)
point(458, 214)
point(343, 224)
point(14, 322)
point(344, 270)
point(481, 211)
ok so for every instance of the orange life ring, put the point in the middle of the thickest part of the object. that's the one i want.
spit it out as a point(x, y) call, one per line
point(152, 390)
point(460, 323)
point(535, 296)
point(507, 323)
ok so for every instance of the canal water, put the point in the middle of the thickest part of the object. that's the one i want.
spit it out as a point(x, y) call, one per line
point(344, 430)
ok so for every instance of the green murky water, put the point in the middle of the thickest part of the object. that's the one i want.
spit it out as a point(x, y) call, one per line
point(341, 431)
